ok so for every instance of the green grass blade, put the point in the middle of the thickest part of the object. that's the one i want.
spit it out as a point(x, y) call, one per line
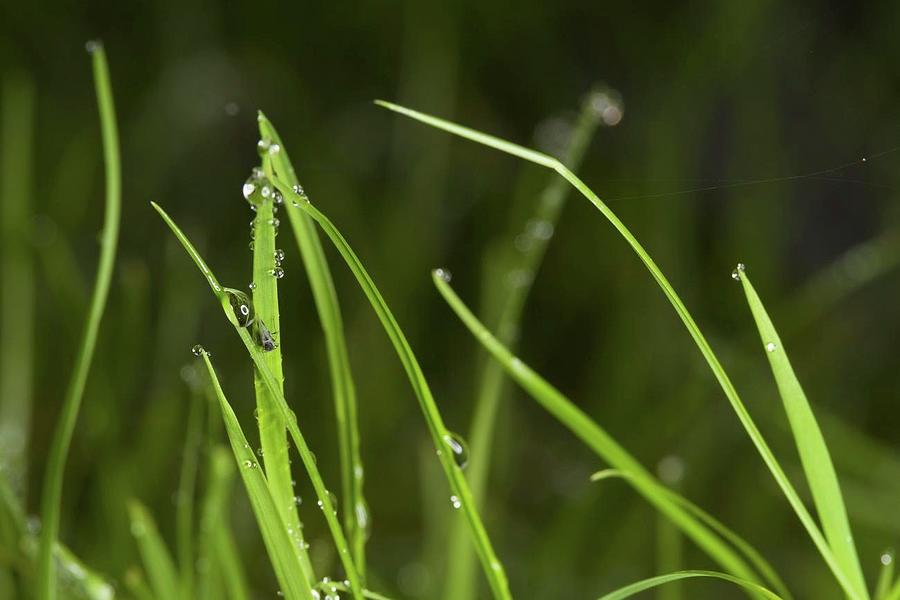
point(886, 576)
point(460, 577)
point(596, 438)
point(355, 510)
point(158, 563)
point(493, 569)
point(309, 461)
point(761, 565)
point(51, 494)
point(814, 455)
point(272, 433)
point(278, 540)
point(646, 584)
point(17, 283)
point(135, 583)
point(184, 497)
point(699, 339)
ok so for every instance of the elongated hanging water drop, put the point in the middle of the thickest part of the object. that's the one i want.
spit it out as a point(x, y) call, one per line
point(458, 448)
point(241, 306)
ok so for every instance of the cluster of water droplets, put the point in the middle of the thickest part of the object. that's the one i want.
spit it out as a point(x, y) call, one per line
point(738, 270)
point(443, 274)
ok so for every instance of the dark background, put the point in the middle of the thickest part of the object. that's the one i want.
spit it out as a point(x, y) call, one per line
point(714, 93)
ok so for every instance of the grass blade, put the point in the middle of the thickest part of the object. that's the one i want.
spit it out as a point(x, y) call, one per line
point(646, 584)
point(356, 513)
point(596, 438)
point(309, 462)
point(272, 432)
point(460, 580)
point(885, 576)
point(814, 455)
point(279, 544)
point(17, 283)
point(761, 565)
point(158, 563)
point(681, 310)
point(62, 436)
point(493, 569)
point(184, 497)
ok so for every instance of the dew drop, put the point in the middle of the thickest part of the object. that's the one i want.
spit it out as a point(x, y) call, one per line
point(197, 350)
point(252, 285)
point(298, 189)
point(248, 190)
point(736, 274)
point(277, 272)
point(241, 306)
point(278, 198)
point(443, 274)
point(274, 149)
point(251, 245)
point(886, 558)
point(771, 347)
point(455, 502)
point(274, 222)
point(262, 146)
point(265, 191)
point(279, 255)
point(459, 448)
point(298, 500)
point(249, 464)
point(92, 46)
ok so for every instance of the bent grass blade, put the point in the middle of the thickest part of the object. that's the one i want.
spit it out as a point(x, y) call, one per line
point(652, 582)
point(596, 438)
point(793, 498)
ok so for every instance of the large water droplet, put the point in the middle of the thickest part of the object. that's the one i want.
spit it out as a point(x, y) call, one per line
point(771, 347)
point(248, 189)
point(241, 306)
point(459, 448)
point(277, 272)
point(262, 146)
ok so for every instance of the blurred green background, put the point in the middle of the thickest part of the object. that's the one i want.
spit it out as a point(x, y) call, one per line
point(714, 93)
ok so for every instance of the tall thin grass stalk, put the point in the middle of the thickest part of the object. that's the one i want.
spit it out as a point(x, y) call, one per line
point(355, 510)
point(849, 585)
point(459, 581)
point(51, 497)
point(17, 283)
point(272, 428)
point(184, 497)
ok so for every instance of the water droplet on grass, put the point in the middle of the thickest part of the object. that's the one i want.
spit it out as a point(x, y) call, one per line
point(277, 272)
point(279, 255)
point(736, 274)
point(771, 347)
point(443, 274)
point(248, 189)
point(455, 502)
point(459, 448)
point(197, 350)
point(241, 306)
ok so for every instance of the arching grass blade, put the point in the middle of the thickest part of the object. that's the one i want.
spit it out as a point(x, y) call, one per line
point(158, 563)
point(646, 584)
point(51, 494)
